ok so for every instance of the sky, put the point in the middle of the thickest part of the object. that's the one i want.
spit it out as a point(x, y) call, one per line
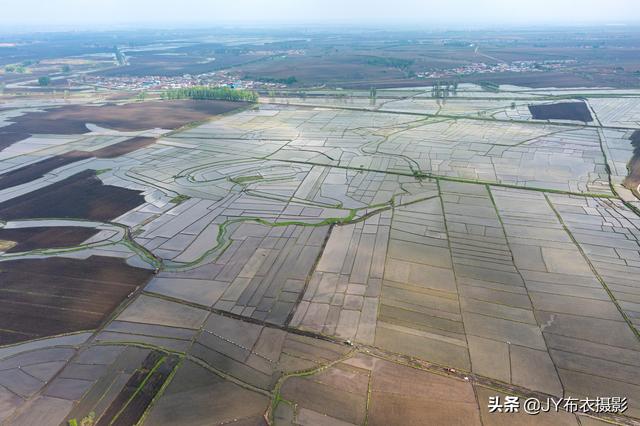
point(85, 13)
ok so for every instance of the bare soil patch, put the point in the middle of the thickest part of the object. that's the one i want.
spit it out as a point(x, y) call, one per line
point(46, 297)
point(138, 116)
point(28, 239)
point(81, 196)
point(122, 148)
point(577, 111)
point(9, 138)
point(37, 170)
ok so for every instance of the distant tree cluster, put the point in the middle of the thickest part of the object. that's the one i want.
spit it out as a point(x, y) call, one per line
point(15, 68)
point(44, 80)
point(457, 43)
point(402, 64)
point(206, 92)
point(20, 68)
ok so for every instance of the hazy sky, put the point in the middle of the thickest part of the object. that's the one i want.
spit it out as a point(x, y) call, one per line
point(84, 13)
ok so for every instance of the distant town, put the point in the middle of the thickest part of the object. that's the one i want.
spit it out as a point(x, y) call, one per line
point(482, 68)
point(151, 82)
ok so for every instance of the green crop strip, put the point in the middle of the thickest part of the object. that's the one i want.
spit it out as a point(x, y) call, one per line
point(139, 388)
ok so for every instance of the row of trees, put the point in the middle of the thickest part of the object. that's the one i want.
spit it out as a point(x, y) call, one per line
point(373, 95)
point(288, 80)
point(119, 56)
point(20, 68)
point(400, 63)
point(441, 90)
point(490, 86)
point(206, 92)
point(15, 68)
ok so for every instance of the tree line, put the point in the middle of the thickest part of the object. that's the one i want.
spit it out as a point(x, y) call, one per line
point(400, 63)
point(206, 92)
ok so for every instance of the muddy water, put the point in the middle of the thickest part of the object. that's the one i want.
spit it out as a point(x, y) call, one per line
point(577, 111)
